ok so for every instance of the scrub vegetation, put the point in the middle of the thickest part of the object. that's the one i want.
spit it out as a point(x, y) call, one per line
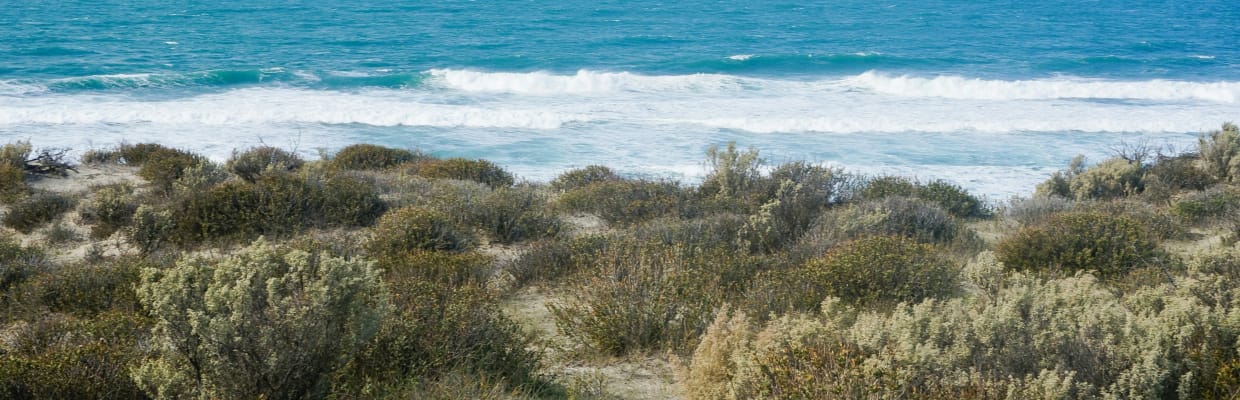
point(387, 273)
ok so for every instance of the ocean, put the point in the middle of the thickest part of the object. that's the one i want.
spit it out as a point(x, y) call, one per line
point(992, 95)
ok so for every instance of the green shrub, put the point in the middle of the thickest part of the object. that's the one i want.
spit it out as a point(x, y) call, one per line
point(548, 260)
point(627, 201)
point(901, 216)
point(955, 200)
point(1060, 183)
point(1079, 241)
point(153, 228)
point(441, 267)
point(162, 166)
point(1161, 224)
point(15, 154)
point(67, 358)
point(1111, 179)
point(344, 201)
point(511, 215)
point(1215, 202)
point(110, 208)
point(481, 171)
point(733, 174)
point(415, 228)
point(1171, 175)
point(437, 330)
point(35, 211)
point(265, 322)
point(801, 192)
point(370, 157)
point(259, 160)
point(12, 184)
point(581, 177)
point(86, 290)
point(1037, 208)
point(1219, 149)
point(883, 269)
point(888, 186)
point(636, 297)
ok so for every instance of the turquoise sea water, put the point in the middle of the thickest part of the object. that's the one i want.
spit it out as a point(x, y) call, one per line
point(993, 95)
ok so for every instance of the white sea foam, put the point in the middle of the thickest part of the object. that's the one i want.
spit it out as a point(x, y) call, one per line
point(583, 82)
point(956, 87)
point(740, 57)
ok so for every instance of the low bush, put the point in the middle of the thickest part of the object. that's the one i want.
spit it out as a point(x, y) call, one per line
point(441, 267)
point(85, 290)
point(734, 175)
point(1110, 179)
point(68, 358)
point(265, 322)
point(1172, 175)
point(883, 270)
point(259, 160)
point(950, 197)
point(888, 186)
point(1161, 224)
point(1037, 208)
point(510, 215)
point(628, 201)
point(415, 228)
point(581, 177)
point(12, 184)
point(481, 171)
point(15, 154)
point(29, 214)
point(162, 166)
point(1197, 207)
point(548, 260)
point(1220, 151)
point(1081, 241)
point(1016, 336)
point(371, 157)
point(803, 192)
point(637, 297)
point(1060, 183)
point(901, 216)
point(109, 209)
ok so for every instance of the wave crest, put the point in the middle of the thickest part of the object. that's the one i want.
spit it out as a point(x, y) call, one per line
point(960, 88)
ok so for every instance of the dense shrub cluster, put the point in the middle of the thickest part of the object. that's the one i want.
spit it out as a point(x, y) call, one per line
point(251, 163)
point(627, 201)
point(415, 228)
point(582, 177)
point(109, 209)
point(1220, 151)
point(900, 216)
point(274, 205)
point(13, 158)
point(1017, 337)
point(1197, 207)
point(32, 212)
point(481, 171)
point(514, 214)
point(371, 157)
point(1079, 241)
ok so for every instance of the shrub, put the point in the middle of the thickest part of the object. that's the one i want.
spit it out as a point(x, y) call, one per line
point(1060, 183)
point(415, 228)
point(1079, 241)
point(1219, 149)
point(440, 267)
point(12, 184)
point(265, 322)
point(437, 330)
point(68, 358)
point(901, 216)
point(636, 297)
point(1113, 178)
point(37, 210)
point(1037, 208)
point(548, 260)
point(733, 174)
point(888, 186)
point(1171, 175)
point(153, 228)
point(1016, 336)
point(955, 200)
point(86, 290)
point(783, 219)
point(1215, 202)
point(581, 177)
point(369, 156)
point(1160, 224)
point(627, 201)
point(344, 201)
point(15, 154)
point(162, 166)
point(259, 160)
point(110, 208)
point(481, 171)
point(511, 215)
point(883, 269)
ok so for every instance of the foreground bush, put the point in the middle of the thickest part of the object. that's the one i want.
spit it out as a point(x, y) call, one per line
point(511, 215)
point(900, 216)
point(60, 357)
point(264, 322)
point(1219, 150)
point(1197, 207)
point(1111, 179)
point(882, 269)
point(259, 160)
point(370, 157)
point(13, 158)
point(37, 210)
point(1108, 244)
point(803, 192)
point(1015, 337)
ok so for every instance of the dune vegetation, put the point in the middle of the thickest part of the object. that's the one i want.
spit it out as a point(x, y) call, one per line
point(154, 272)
